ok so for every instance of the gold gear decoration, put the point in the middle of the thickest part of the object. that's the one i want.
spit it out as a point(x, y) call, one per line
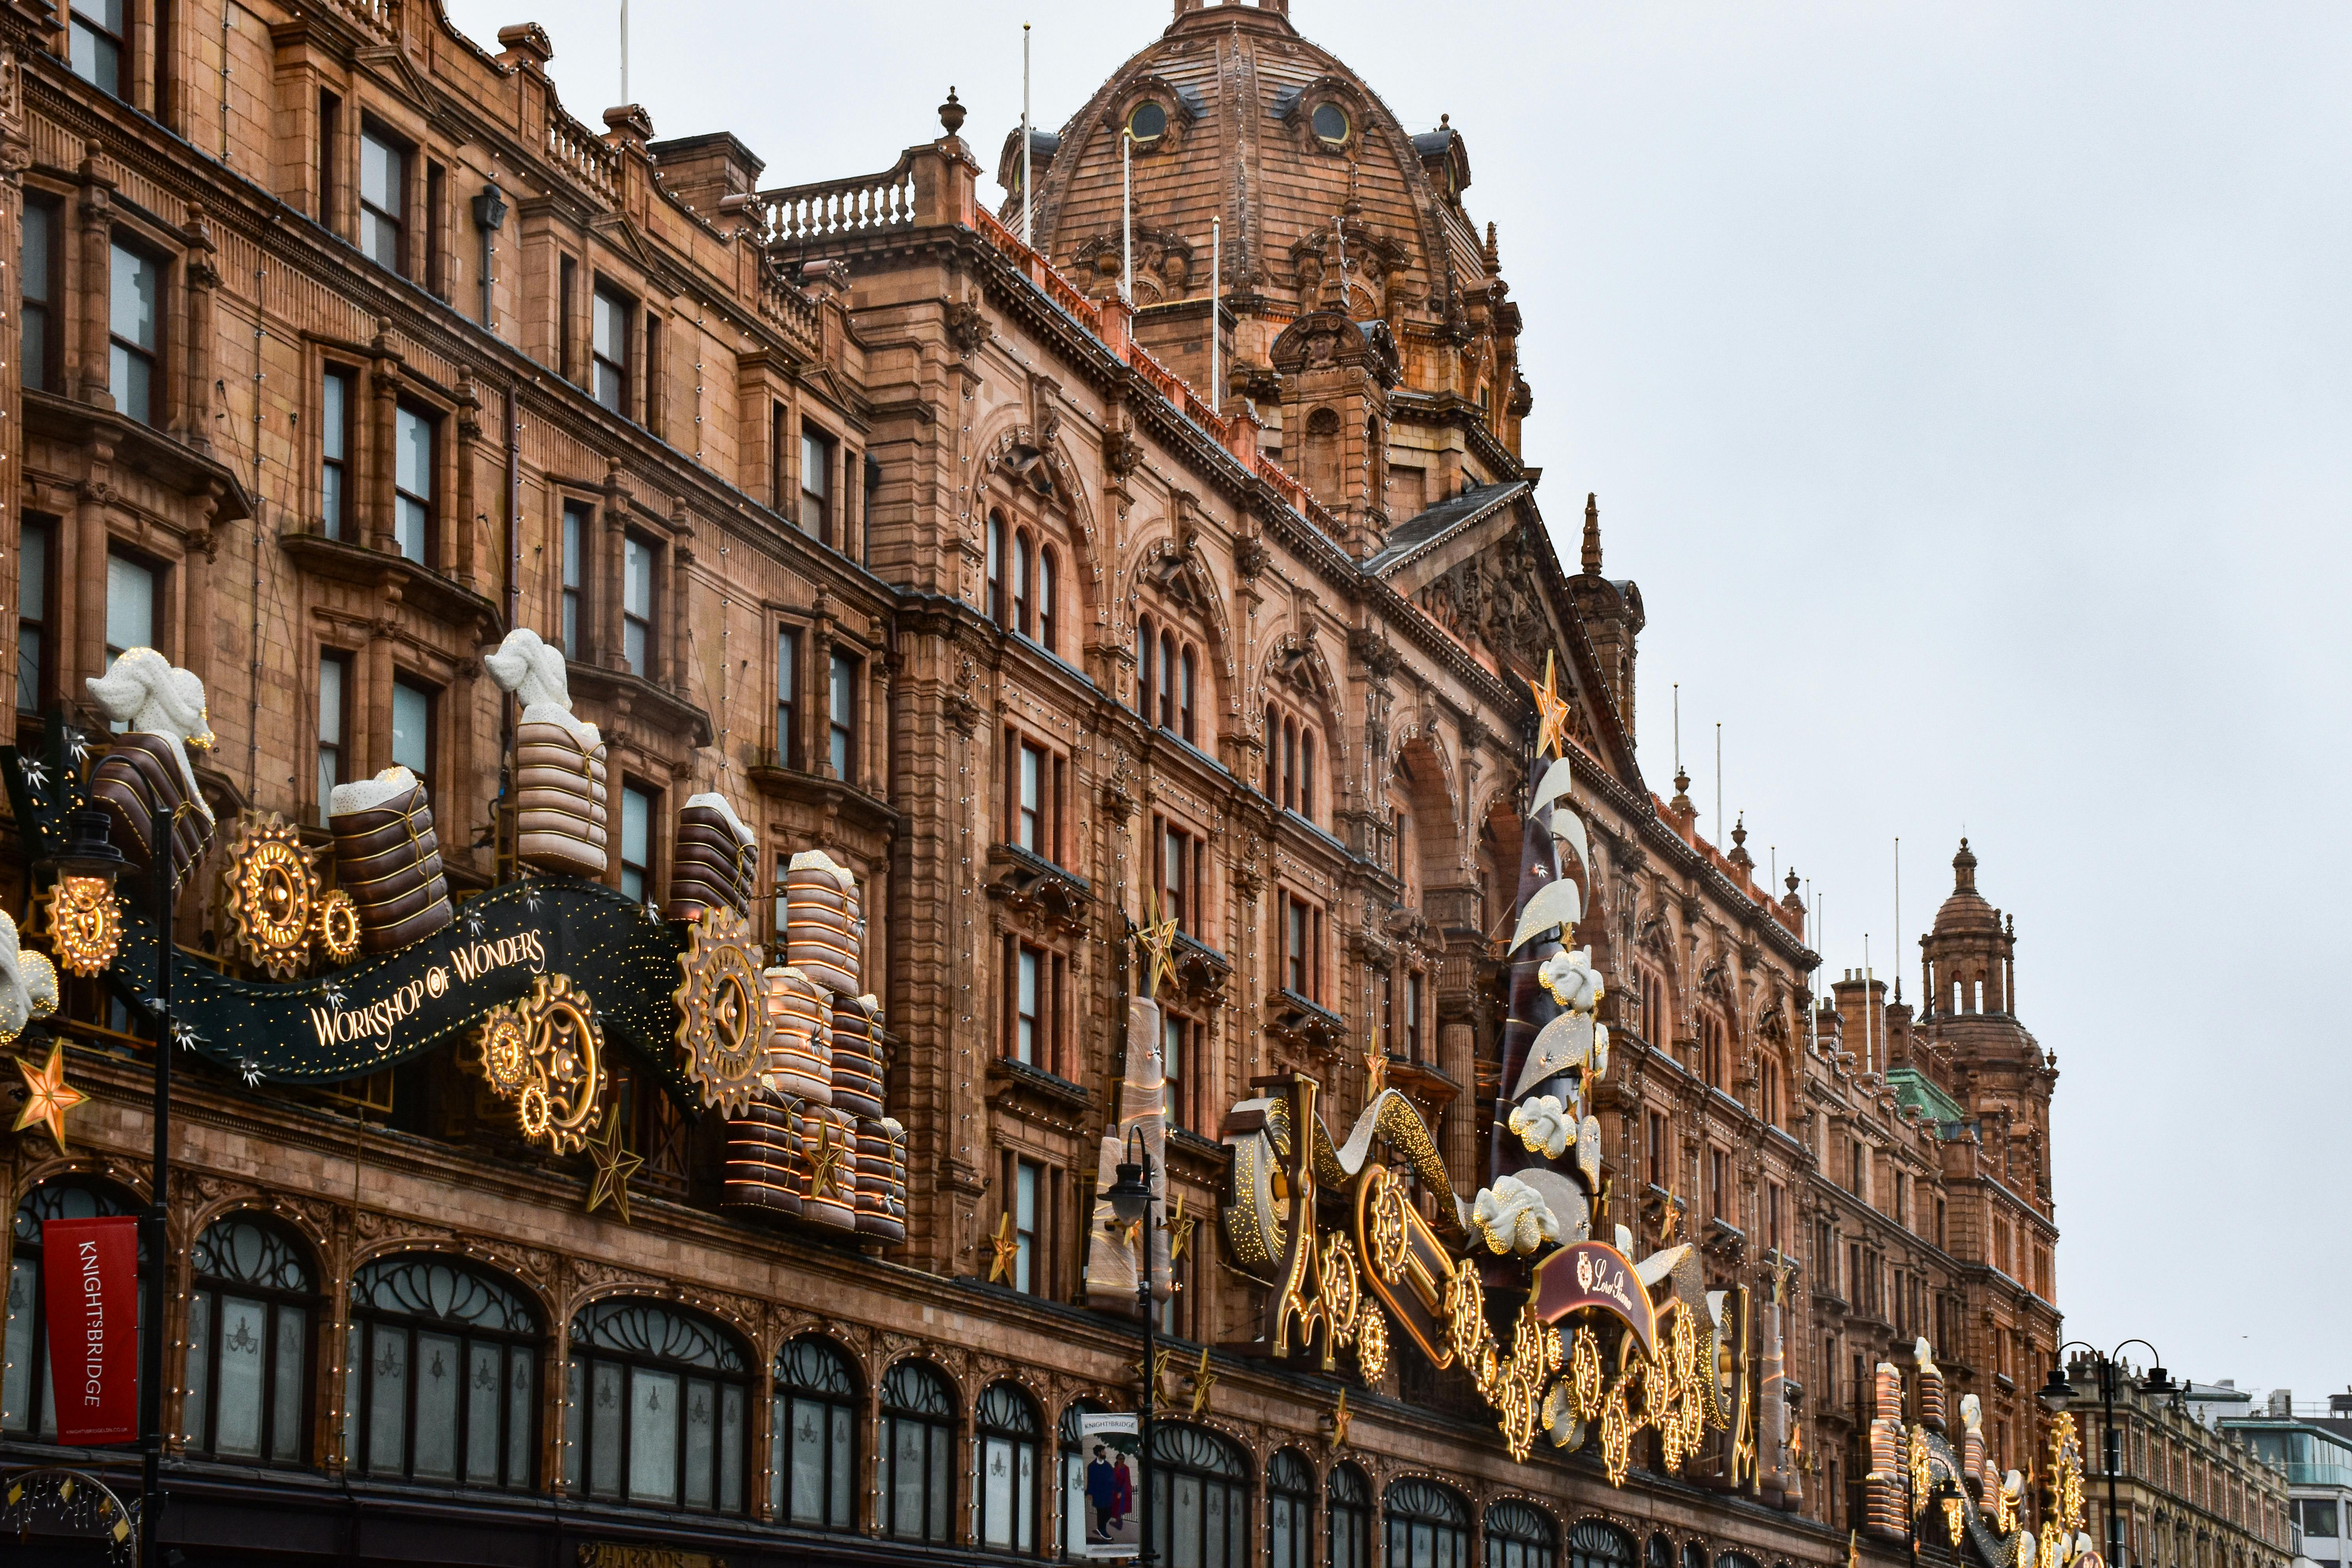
point(270, 888)
point(722, 1011)
point(1585, 1376)
point(1372, 1343)
point(85, 926)
point(338, 926)
point(1390, 1253)
point(546, 1053)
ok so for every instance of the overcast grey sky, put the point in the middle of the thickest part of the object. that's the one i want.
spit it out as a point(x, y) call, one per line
point(1967, 386)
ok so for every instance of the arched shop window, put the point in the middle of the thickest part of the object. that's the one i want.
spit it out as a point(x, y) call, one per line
point(918, 1475)
point(249, 1322)
point(1429, 1527)
point(1289, 1510)
point(1661, 1551)
point(1004, 1468)
point(1199, 1497)
point(654, 1411)
point(1074, 1477)
point(1736, 1560)
point(444, 1374)
point(28, 1406)
point(1592, 1544)
point(813, 1467)
point(1348, 1495)
point(1517, 1536)
point(1694, 1555)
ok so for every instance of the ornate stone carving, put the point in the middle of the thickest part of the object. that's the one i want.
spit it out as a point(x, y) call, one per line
point(967, 329)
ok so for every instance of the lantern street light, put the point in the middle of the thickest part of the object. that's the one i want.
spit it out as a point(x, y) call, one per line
point(1130, 1201)
point(2059, 1392)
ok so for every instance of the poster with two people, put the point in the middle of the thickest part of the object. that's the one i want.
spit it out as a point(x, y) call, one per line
point(1112, 1453)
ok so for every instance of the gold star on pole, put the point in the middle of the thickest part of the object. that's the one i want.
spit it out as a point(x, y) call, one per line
point(47, 1096)
point(1339, 1417)
point(1154, 938)
point(614, 1166)
point(1552, 713)
point(1179, 1231)
point(1004, 1249)
point(1203, 1380)
point(1159, 1372)
point(824, 1163)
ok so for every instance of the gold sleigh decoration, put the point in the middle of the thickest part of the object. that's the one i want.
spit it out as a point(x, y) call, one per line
point(722, 1016)
point(270, 888)
point(545, 1055)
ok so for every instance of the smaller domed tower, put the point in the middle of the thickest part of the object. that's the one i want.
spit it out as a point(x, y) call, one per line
point(1968, 961)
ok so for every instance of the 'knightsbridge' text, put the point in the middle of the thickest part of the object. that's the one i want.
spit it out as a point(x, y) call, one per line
point(376, 1020)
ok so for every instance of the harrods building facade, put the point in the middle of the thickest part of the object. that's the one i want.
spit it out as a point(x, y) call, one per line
point(337, 347)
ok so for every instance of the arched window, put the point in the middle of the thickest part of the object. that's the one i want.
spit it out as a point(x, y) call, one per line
point(1185, 671)
point(1321, 472)
point(1199, 1497)
point(1145, 646)
point(996, 567)
point(655, 1407)
point(444, 1374)
point(1273, 751)
point(1004, 1468)
point(1768, 1089)
point(1592, 1544)
point(1046, 563)
point(1306, 771)
point(918, 1479)
point(1348, 1500)
point(1736, 1560)
point(1290, 763)
point(1289, 1510)
point(24, 1392)
point(1074, 1477)
point(1023, 557)
point(249, 1345)
point(1429, 1526)
point(813, 1466)
point(1661, 1550)
point(1519, 1537)
point(1694, 1555)
point(1167, 679)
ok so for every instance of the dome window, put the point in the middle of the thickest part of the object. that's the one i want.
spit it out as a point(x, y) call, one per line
point(1147, 122)
point(1331, 124)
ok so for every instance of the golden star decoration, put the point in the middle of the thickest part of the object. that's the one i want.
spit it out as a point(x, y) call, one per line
point(1552, 713)
point(1154, 938)
point(1159, 1372)
point(47, 1096)
point(1339, 1417)
point(1376, 1072)
point(614, 1166)
point(824, 1163)
point(1181, 1227)
point(1004, 1249)
point(1203, 1380)
point(1671, 1220)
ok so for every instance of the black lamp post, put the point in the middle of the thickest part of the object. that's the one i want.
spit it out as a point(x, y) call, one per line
point(2059, 1392)
point(1130, 1200)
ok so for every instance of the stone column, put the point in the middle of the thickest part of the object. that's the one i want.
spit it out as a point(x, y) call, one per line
point(86, 329)
point(1457, 1058)
point(16, 156)
point(373, 503)
point(191, 421)
point(462, 540)
point(676, 668)
point(611, 579)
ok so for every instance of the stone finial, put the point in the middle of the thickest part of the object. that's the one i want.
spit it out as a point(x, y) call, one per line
point(525, 41)
point(1592, 533)
point(951, 113)
point(1964, 869)
point(1494, 253)
point(628, 123)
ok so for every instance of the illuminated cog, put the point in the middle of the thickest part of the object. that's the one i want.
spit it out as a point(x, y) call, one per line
point(271, 886)
point(84, 927)
point(338, 926)
point(722, 1018)
point(546, 1053)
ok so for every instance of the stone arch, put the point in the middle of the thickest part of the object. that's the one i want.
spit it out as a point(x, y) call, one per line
point(1171, 560)
point(523, 1279)
point(1298, 663)
point(1421, 764)
point(723, 1311)
point(1012, 457)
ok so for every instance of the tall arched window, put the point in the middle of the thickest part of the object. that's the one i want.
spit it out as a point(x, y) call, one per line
point(1348, 1499)
point(655, 1407)
point(995, 606)
point(1289, 1510)
point(27, 1404)
point(1024, 554)
point(1429, 1526)
point(443, 1376)
point(1694, 1555)
point(1273, 752)
point(813, 1466)
point(1306, 771)
point(1185, 671)
point(1168, 674)
point(1289, 764)
point(1047, 562)
point(1199, 1497)
point(1661, 1551)
point(1145, 648)
point(1074, 1477)
point(1592, 1544)
point(917, 1476)
point(1517, 1536)
point(249, 1345)
point(1768, 1089)
point(1004, 1468)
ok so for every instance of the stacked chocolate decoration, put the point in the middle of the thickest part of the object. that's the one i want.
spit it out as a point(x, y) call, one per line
point(823, 930)
point(800, 1038)
point(388, 858)
point(148, 766)
point(711, 866)
point(882, 1180)
point(858, 1057)
point(561, 779)
point(764, 1168)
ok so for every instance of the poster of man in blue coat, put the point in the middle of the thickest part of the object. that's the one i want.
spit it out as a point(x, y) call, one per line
point(1112, 1456)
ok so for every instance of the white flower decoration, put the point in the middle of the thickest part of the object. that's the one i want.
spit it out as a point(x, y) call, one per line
point(1513, 1216)
point(1570, 978)
point(1543, 1125)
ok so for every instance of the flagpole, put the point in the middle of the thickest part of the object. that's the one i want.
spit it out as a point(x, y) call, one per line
point(1127, 216)
point(1026, 237)
point(1216, 322)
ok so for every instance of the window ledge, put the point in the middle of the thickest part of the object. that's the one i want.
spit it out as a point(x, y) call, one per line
point(822, 790)
point(1030, 885)
point(665, 711)
point(444, 599)
point(140, 448)
point(1037, 1081)
point(1295, 1021)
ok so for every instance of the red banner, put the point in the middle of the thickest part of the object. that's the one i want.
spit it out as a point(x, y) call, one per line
point(90, 1273)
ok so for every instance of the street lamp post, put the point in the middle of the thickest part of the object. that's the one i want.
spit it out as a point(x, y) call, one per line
point(2060, 1390)
point(1130, 1200)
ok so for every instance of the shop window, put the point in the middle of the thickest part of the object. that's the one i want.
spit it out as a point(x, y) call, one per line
point(1004, 1468)
point(1199, 1497)
point(134, 333)
point(1289, 1510)
point(1519, 1537)
point(1592, 1544)
point(28, 1403)
point(444, 1369)
point(1428, 1525)
point(1348, 1496)
point(654, 1411)
point(812, 1477)
point(383, 200)
point(916, 1479)
point(1078, 1514)
point(248, 1364)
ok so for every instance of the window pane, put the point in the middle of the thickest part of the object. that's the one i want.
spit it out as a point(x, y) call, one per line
point(17, 1349)
point(701, 1439)
point(611, 326)
point(521, 1375)
point(412, 726)
point(636, 841)
point(1025, 1495)
point(32, 608)
point(731, 1449)
point(806, 1446)
point(996, 1493)
point(484, 1384)
point(200, 1365)
point(286, 1385)
point(380, 173)
point(413, 454)
point(130, 604)
point(96, 58)
point(942, 1489)
point(388, 1400)
point(236, 1429)
point(1187, 1521)
point(1025, 1031)
point(905, 1478)
point(605, 1419)
point(1024, 1225)
point(133, 312)
point(438, 1369)
point(653, 1435)
point(838, 1507)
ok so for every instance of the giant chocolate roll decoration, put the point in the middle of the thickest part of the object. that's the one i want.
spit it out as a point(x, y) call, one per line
point(388, 858)
point(711, 861)
point(139, 770)
point(560, 793)
point(822, 926)
point(857, 1056)
point(764, 1166)
point(881, 1181)
point(800, 1049)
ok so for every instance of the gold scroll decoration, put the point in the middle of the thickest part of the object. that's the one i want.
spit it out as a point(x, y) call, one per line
point(544, 1054)
point(1407, 1268)
point(722, 1011)
point(269, 887)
